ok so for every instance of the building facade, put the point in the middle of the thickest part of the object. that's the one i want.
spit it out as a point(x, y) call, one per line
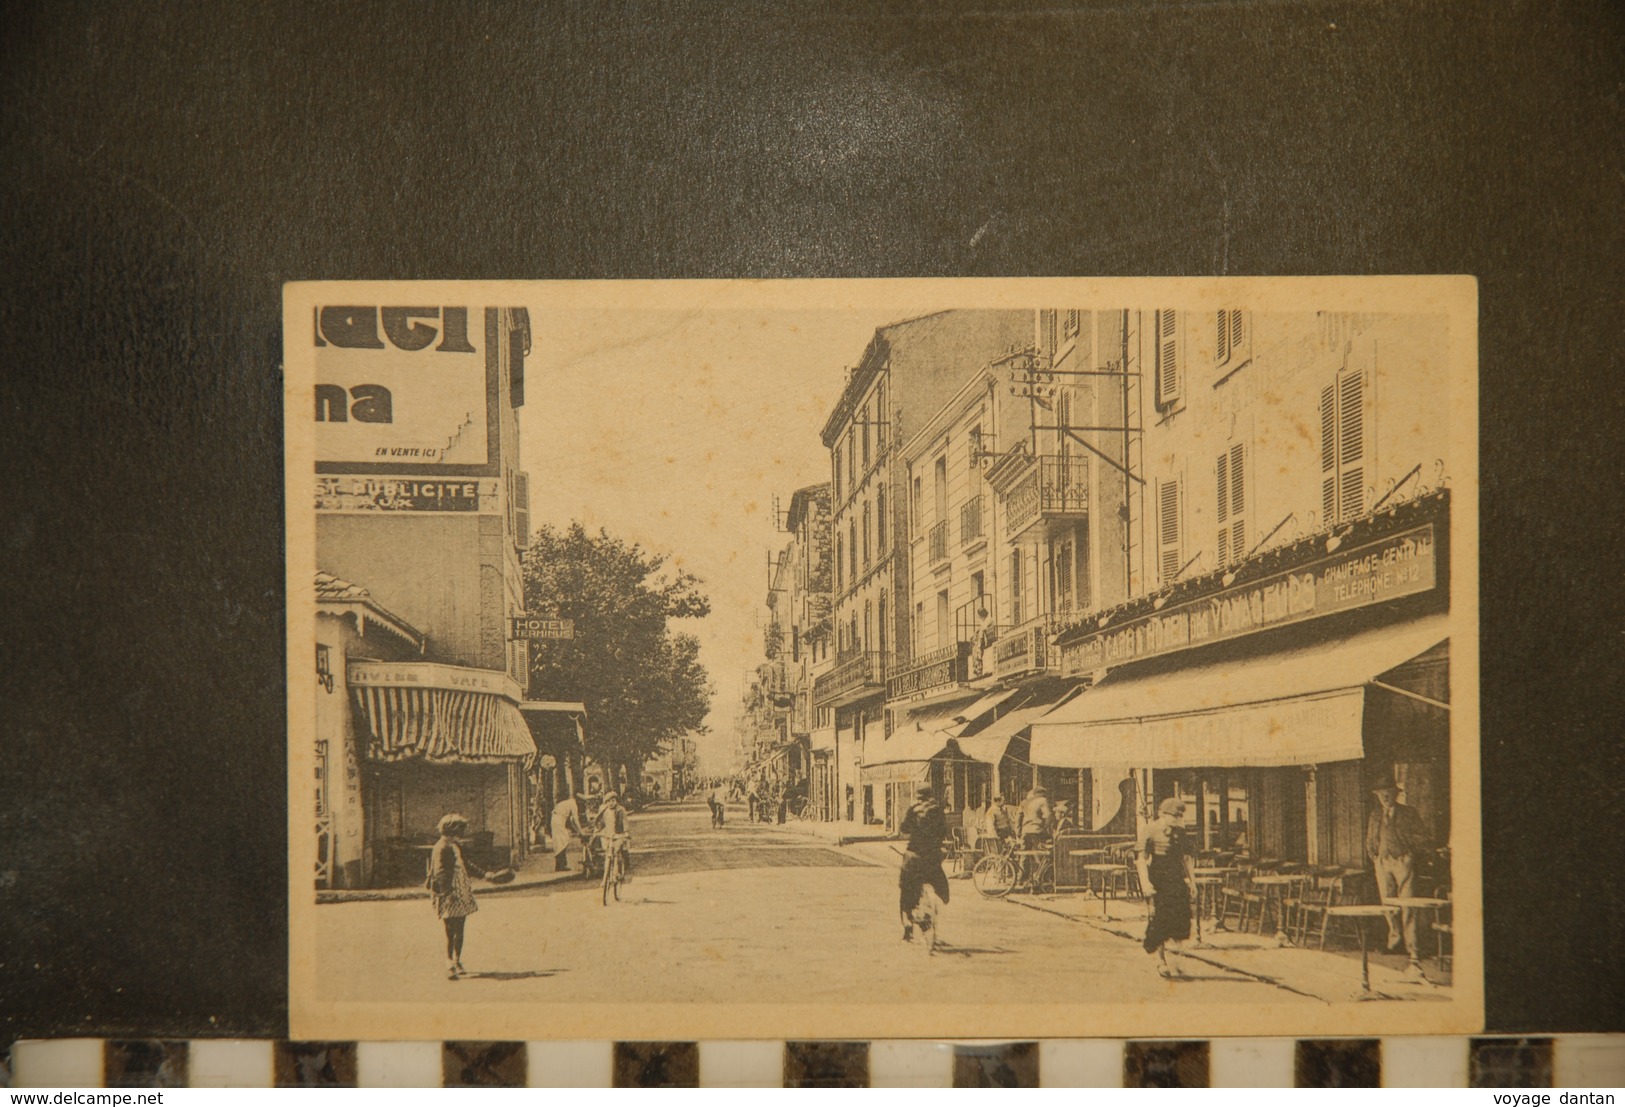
point(1265, 621)
point(422, 513)
point(909, 370)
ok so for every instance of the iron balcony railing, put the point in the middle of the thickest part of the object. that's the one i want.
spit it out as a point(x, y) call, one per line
point(1056, 486)
point(853, 673)
point(942, 668)
point(938, 540)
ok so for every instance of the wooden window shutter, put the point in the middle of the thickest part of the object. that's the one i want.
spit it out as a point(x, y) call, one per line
point(1238, 329)
point(1168, 512)
point(1221, 349)
point(1342, 449)
point(1238, 501)
point(1224, 505)
point(1167, 326)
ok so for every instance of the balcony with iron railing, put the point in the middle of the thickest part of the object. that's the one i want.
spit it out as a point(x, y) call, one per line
point(940, 672)
point(937, 542)
point(854, 677)
point(1046, 488)
point(970, 521)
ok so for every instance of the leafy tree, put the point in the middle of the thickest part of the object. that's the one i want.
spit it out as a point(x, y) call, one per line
point(643, 685)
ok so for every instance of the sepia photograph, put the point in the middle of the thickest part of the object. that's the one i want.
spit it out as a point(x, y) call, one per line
point(883, 658)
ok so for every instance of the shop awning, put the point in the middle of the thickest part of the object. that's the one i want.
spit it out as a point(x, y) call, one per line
point(1296, 707)
point(951, 716)
point(438, 724)
point(989, 743)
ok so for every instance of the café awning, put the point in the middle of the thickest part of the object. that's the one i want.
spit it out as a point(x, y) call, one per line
point(440, 725)
point(988, 744)
point(1296, 707)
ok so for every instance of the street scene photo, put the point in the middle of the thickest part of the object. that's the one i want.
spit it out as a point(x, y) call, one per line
point(1023, 656)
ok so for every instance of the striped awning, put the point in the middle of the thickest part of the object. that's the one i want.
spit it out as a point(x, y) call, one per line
point(440, 724)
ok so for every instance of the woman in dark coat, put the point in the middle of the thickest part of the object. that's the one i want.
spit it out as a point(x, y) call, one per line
point(1165, 875)
point(449, 888)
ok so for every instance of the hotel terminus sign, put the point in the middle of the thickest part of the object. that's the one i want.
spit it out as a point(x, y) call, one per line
point(1401, 565)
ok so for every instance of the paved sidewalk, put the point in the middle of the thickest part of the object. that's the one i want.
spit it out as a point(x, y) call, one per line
point(1332, 976)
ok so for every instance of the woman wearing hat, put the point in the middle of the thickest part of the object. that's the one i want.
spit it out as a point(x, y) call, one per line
point(449, 888)
point(1165, 875)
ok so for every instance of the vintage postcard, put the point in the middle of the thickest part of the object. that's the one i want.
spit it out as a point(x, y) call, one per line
point(883, 658)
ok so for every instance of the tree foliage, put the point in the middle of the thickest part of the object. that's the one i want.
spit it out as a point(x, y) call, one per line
point(642, 683)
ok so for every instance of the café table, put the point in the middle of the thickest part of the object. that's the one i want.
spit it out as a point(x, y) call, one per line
point(1273, 887)
point(1104, 871)
point(1360, 912)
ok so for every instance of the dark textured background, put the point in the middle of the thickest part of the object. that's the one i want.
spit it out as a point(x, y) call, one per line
point(165, 166)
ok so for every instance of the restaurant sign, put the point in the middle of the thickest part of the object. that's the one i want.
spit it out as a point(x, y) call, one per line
point(1401, 565)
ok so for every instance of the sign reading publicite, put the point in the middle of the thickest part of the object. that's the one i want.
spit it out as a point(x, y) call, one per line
point(525, 628)
point(405, 494)
point(1402, 565)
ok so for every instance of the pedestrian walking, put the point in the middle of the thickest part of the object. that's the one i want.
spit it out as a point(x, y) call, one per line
point(449, 888)
point(1165, 867)
point(1395, 837)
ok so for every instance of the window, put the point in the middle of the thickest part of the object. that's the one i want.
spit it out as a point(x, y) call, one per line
point(1047, 341)
point(943, 629)
point(1074, 323)
point(1166, 328)
point(1232, 501)
point(866, 559)
point(880, 520)
point(1342, 449)
point(914, 511)
point(835, 456)
point(851, 460)
point(1233, 339)
point(868, 621)
point(941, 470)
point(1170, 508)
point(1061, 577)
point(840, 561)
point(852, 547)
point(919, 622)
point(880, 629)
point(1016, 614)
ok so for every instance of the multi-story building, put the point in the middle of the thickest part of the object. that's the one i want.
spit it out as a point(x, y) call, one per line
point(1259, 585)
point(801, 592)
point(909, 370)
point(421, 518)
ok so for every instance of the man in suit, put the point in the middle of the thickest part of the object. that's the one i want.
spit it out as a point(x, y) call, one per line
point(1395, 839)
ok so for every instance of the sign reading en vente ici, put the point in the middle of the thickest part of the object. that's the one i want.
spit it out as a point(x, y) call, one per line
point(1401, 565)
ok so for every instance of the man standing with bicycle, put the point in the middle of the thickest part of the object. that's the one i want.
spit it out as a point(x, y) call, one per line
point(926, 828)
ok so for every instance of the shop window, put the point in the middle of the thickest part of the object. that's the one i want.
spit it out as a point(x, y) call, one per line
point(1170, 514)
point(1231, 468)
point(1169, 376)
point(1342, 449)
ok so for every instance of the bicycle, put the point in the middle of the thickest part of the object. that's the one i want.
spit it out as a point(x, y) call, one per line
point(1001, 872)
point(614, 869)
